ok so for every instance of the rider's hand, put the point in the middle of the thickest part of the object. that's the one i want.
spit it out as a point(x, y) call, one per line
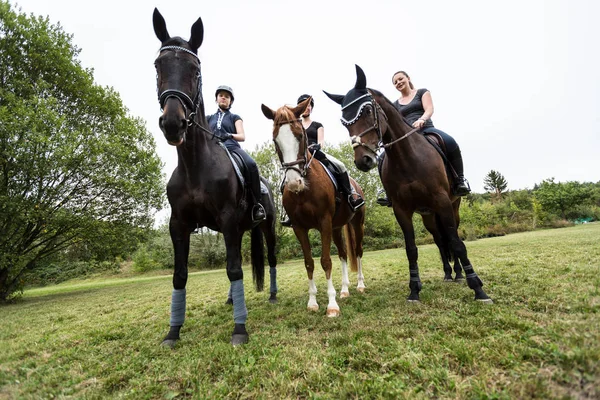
point(315, 147)
point(226, 136)
point(418, 123)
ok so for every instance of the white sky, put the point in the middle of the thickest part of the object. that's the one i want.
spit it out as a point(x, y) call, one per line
point(515, 82)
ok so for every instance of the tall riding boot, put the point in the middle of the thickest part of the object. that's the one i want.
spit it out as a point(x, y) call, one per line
point(258, 211)
point(355, 202)
point(461, 186)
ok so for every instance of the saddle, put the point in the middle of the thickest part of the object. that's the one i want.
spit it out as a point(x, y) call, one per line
point(241, 169)
point(438, 143)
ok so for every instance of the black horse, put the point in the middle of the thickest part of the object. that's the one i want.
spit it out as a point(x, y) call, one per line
point(205, 190)
point(413, 175)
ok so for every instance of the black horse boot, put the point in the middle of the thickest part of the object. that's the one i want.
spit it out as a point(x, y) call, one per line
point(461, 186)
point(354, 202)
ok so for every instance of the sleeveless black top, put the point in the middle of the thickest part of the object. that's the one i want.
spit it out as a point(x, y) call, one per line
point(414, 110)
point(312, 132)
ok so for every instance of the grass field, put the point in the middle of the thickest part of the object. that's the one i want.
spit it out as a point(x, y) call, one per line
point(541, 338)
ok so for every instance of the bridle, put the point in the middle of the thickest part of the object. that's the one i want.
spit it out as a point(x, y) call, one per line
point(190, 105)
point(356, 139)
point(293, 165)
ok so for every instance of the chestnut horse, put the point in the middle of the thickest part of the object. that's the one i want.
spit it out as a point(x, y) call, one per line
point(204, 190)
point(413, 175)
point(309, 198)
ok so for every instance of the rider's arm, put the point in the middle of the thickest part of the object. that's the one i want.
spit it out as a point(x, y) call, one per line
point(321, 135)
point(239, 134)
point(428, 107)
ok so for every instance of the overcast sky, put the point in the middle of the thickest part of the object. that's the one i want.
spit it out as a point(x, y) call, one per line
point(515, 82)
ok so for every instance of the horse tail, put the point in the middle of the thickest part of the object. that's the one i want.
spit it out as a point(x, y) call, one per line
point(448, 252)
point(350, 237)
point(257, 255)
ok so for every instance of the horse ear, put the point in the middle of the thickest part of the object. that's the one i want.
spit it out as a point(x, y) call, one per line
point(301, 107)
point(197, 35)
point(160, 28)
point(338, 98)
point(270, 114)
point(361, 79)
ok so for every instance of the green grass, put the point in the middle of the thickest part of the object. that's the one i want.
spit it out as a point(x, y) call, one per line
point(541, 338)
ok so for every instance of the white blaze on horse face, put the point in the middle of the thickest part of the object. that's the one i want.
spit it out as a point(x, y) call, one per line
point(289, 147)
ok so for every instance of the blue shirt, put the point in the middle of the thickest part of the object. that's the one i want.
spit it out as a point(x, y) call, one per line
point(223, 122)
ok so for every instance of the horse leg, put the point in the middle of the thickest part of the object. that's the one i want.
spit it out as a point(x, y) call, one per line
point(339, 243)
point(357, 225)
point(458, 277)
point(412, 253)
point(233, 244)
point(268, 229)
point(309, 264)
point(460, 251)
point(180, 236)
point(431, 225)
point(333, 310)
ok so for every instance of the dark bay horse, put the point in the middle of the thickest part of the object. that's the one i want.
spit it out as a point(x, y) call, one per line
point(309, 198)
point(413, 175)
point(204, 190)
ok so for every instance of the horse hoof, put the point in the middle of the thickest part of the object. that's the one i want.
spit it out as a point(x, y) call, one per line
point(170, 343)
point(333, 312)
point(485, 301)
point(360, 289)
point(273, 300)
point(448, 280)
point(413, 301)
point(459, 280)
point(313, 308)
point(229, 302)
point(239, 338)
point(343, 295)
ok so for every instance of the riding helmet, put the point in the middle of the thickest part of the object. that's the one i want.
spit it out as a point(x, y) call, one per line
point(304, 97)
point(225, 88)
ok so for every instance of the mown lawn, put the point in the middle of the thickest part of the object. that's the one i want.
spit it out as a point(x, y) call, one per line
point(541, 338)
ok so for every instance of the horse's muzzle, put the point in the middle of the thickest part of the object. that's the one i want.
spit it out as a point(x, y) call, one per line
point(173, 129)
point(365, 163)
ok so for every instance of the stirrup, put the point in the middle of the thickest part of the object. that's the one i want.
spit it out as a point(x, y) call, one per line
point(258, 213)
point(382, 198)
point(357, 203)
point(461, 187)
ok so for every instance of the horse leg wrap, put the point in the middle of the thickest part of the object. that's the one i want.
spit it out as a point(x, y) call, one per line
point(240, 312)
point(415, 281)
point(472, 279)
point(177, 307)
point(273, 276)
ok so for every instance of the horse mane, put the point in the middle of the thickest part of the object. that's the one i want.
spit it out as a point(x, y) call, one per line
point(283, 114)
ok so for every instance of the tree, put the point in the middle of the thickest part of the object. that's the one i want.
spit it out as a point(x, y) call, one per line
point(74, 166)
point(559, 198)
point(494, 182)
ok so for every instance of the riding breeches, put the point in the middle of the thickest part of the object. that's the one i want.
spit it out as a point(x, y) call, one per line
point(325, 158)
point(449, 141)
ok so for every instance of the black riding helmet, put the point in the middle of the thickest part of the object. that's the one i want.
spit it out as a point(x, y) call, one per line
point(304, 97)
point(225, 88)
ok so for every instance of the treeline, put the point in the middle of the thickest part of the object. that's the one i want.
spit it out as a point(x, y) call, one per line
point(548, 204)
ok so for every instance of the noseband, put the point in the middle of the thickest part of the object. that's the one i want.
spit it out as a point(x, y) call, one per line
point(356, 139)
point(190, 106)
point(301, 160)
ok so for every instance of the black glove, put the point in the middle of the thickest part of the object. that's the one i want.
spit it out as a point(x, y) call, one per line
point(315, 147)
point(225, 136)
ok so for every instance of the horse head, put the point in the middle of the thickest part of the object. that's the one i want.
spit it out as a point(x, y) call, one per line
point(361, 116)
point(290, 142)
point(179, 81)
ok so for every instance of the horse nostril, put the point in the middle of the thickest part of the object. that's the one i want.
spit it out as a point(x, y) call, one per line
point(161, 122)
point(183, 124)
